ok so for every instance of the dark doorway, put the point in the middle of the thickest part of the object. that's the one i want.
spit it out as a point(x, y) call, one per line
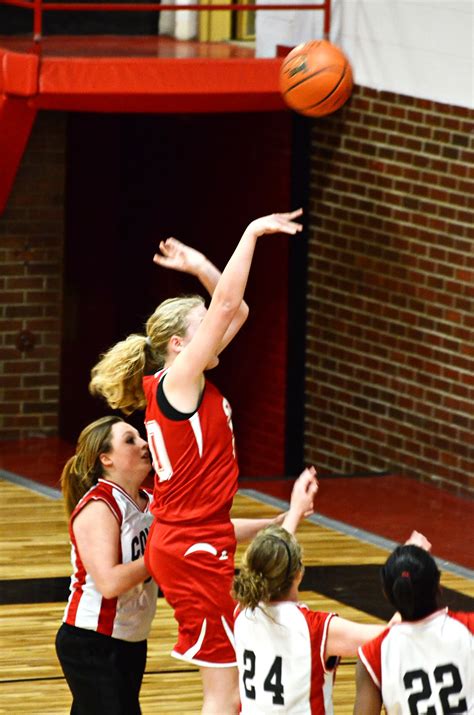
point(133, 180)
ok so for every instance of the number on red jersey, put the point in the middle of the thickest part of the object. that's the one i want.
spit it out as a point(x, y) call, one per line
point(159, 454)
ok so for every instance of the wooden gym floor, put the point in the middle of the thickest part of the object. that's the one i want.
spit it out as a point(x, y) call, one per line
point(341, 575)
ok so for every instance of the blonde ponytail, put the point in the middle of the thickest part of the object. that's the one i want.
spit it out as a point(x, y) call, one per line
point(118, 375)
point(250, 588)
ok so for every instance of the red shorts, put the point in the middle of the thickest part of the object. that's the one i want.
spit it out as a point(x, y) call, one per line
point(194, 567)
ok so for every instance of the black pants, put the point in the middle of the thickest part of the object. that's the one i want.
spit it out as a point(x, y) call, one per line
point(104, 674)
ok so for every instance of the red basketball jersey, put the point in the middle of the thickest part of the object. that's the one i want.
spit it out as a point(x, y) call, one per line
point(194, 458)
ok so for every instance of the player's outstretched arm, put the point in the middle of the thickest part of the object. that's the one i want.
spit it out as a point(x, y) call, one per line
point(178, 256)
point(184, 379)
point(416, 538)
point(247, 529)
point(301, 505)
point(345, 637)
point(302, 497)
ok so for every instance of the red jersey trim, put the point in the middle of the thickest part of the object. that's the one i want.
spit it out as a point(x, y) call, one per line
point(370, 656)
point(77, 595)
point(467, 619)
point(369, 669)
point(114, 485)
point(108, 610)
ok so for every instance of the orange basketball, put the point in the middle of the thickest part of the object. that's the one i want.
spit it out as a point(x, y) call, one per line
point(316, 78)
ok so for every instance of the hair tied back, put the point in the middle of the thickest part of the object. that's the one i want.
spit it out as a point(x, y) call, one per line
point(288, 553)
point(405, 574)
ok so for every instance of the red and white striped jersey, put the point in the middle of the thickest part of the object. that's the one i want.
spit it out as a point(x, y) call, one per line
point(128, 616)
point(194, 457)
point(281, 659)
point(424, 666)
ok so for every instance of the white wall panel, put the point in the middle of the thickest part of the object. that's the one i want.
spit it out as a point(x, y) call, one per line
point(421, 48)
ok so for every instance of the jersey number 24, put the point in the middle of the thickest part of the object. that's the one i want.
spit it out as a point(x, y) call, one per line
point(272, 683)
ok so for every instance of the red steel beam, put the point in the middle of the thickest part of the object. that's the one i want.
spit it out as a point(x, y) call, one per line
point(18, 3)
point(38, 7)
point(129, 7)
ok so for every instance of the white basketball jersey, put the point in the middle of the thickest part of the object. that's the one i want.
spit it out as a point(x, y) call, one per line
point(424, 667)
point(281, 660)
point(128, 616)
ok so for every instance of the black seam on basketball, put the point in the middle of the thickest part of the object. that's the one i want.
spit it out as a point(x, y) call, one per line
point(310, 76)
point(287, 60)
point(312, 106)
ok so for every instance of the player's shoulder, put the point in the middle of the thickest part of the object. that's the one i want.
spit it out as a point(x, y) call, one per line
point(100, 490)
point(150, 379)
point(110, 494)
point(370, 655)
point(314, 618)
point(466, 618)
point(150, 382)
point(90, 508)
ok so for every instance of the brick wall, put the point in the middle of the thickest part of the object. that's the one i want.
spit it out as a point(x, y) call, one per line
point(390, 350)
point(31, 239)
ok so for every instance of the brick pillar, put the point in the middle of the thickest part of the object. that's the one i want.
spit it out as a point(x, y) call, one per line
point(31, 246)
point(390, 349)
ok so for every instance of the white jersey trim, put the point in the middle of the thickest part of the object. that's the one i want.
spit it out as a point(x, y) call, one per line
point(323, 645)
point(201, 546)
point(191, 652)
point(195, 423)
point(127, 496)
point(205, 663)
point(229, 632)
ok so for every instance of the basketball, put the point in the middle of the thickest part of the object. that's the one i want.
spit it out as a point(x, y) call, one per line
point(316, 78)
